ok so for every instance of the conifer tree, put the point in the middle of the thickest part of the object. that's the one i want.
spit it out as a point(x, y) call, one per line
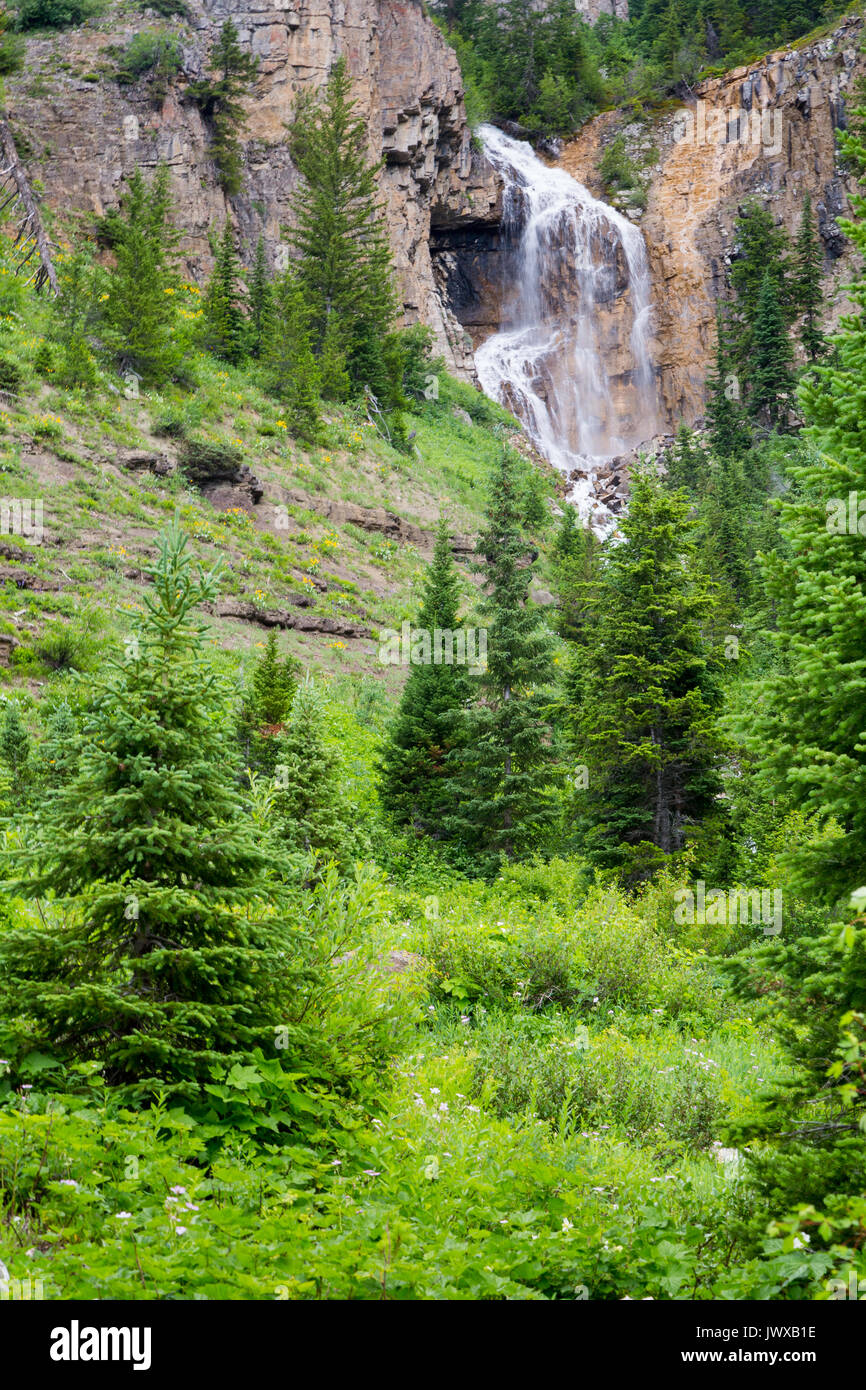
point(261, 300)
point(414, 775)
point(58, 747)
point(219, 99)
point(224, 321)
point(15, 750)
point(291, 368)
point(265, 706)
point(74, 320)
point(503, 776)
point(761, 249)
point(340, 238)
point(139, 307)
point(809, 733)
point(809, 289)
point(310, 813)
point(687, 462)
point(729, 433)
point(172, 954)
point(644, 729)
point(772, 384)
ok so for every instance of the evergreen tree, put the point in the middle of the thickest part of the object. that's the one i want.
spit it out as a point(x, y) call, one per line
point(219, 99)
point(139, 307)
point(15, 750)
point(645, 726)
point(291, 368)
point(809, 272)
point(686, 463)
point(809, 733)
point(74, 320)
point(344, 260)
point(265, 706)
point(414, 775)
point(772, 385)
point(58, 747)
point(172, 955)
point(224, 323)
point(761, 249)
point(261, 300)
point(729, 434)
point(503, 776)
point(310, 813)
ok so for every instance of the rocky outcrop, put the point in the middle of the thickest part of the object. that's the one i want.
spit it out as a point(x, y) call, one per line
point(767, 130)
point(81, 132)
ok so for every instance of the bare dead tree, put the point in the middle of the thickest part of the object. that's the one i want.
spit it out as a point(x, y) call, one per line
point(30, 235)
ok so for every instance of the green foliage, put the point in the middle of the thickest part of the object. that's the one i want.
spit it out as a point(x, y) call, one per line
point(168, 949)
point(265, 706)
point(54, 14)
point(74, 321)
point(291, 370)
point(224, 322)
point(503, 772)
point(773, 354)
point(219, 98)
point(620, 174)
point(155, 53)
point(809, 263)
point(427, 726)
point(644, 684)
point(139, 312)
point(343, 266)
point(261, 302)
point(310, 813)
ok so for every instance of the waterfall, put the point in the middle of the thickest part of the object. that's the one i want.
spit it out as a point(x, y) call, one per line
point(577, 261)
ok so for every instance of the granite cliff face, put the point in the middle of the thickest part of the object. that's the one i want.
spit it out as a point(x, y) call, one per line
point(767, 130)
point(80, 131)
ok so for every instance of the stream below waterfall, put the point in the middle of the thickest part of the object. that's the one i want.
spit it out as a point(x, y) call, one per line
point(579, 379)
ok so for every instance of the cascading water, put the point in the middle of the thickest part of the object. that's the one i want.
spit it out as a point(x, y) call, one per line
point(577, 257)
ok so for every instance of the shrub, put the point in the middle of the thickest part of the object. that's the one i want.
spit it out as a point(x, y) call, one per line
point(11, 375)
point(54, 14)
point(158, 54)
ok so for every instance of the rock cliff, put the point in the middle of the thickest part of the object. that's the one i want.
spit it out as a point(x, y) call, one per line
point(766, 130)
point(80, 131)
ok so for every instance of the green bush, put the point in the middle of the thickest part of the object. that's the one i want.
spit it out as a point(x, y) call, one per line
point(54, 14)
point(11, 375)
point(155, 53)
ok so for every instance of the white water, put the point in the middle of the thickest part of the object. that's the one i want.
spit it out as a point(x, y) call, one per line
point(575, 255)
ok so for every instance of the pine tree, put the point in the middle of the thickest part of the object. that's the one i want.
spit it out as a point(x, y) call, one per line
point(761, 249)
point(686, 463)
point(340, 237)
point(414, 775)
point(74, 320)
point(172, 954)
point(809, 288)
point(291, 369)
point(644, 729)
point(772, 383)
point(139, 307)
point(219, 99)
point(58, 749)
point(729, 434)
point(224, 323)
point(809, 730)
point(265, 706)
point(503, 777)
point(310, 813)
point(261, 299)
point(15, 750)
